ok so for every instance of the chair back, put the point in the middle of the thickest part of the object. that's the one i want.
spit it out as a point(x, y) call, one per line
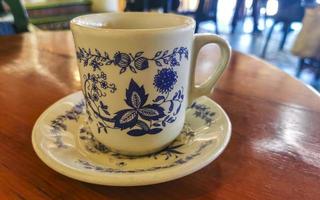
point(207, 8)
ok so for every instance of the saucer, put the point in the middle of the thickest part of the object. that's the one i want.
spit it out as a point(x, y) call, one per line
point(63, 141)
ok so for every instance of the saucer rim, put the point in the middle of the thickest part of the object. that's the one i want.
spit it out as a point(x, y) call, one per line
point(138, 179)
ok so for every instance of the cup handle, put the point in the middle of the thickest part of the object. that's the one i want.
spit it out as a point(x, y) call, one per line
point(206, 87)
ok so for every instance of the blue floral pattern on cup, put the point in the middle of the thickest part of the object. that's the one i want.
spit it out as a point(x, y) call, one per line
point(139, 117)
point(137, 112)
point(165, 80)
point(97, 59)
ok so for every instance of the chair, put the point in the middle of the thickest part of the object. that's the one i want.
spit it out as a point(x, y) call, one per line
point(136, 5)
point(240, 14)
point(307, 42)
point(20, 23)
point(289, 11)
point(145, 5)
point(207, 10)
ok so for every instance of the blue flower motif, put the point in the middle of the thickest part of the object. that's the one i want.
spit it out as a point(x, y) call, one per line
point(95, 65)
point(140, 132)
point(203, 112)
point(122, 60)
point(174, 62)
point(103, 76)
point(183, 50)
point(104, 84)
point(136, 99)
point(141, 63)
point(165, 80)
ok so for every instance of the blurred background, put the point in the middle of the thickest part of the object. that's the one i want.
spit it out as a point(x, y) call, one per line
point(285, 33)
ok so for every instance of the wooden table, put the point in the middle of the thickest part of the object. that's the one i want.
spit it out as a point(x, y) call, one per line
point(274, 151)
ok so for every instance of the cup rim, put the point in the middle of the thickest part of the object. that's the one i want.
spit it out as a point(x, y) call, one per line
point(188, 22)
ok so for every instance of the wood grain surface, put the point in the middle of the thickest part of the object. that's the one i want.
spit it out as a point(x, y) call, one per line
point(274, 151)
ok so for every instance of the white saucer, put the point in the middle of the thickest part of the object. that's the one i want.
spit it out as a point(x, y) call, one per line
point(63, 142)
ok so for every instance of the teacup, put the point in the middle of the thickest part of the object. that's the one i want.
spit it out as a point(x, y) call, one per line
point(137, 76)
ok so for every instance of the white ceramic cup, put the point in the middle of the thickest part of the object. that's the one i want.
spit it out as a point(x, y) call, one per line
point(137, 76)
